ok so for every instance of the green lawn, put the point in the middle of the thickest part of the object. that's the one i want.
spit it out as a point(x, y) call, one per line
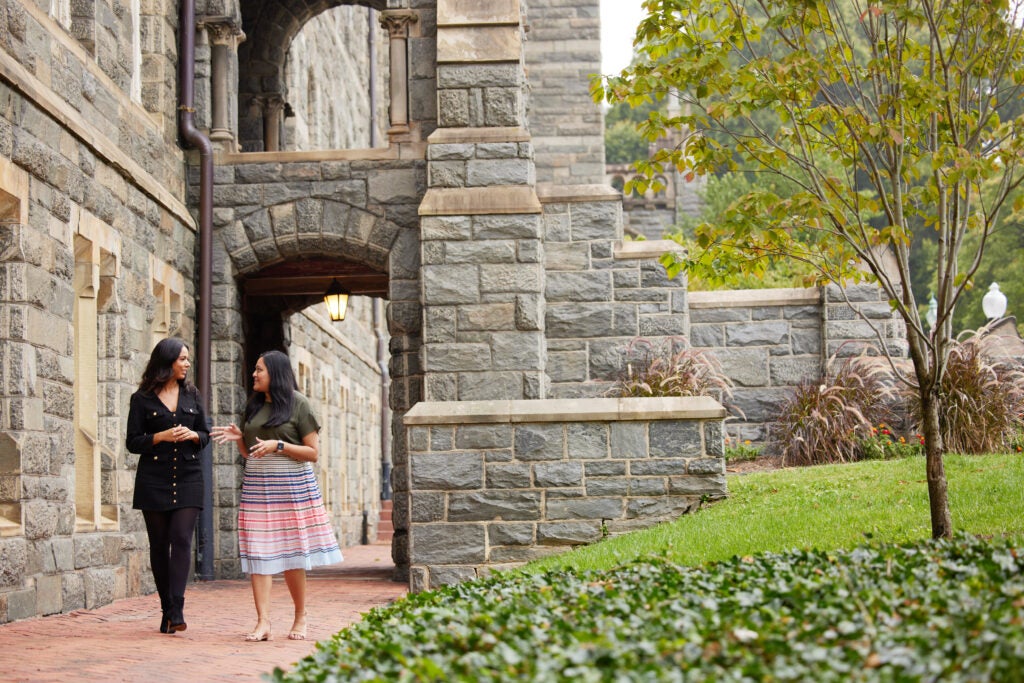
point(826, 507)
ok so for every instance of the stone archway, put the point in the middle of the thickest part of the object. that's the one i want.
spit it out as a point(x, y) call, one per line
point(283, 231)
point(270, 26)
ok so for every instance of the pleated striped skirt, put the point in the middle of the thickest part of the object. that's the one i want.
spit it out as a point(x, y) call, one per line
point(282, 523)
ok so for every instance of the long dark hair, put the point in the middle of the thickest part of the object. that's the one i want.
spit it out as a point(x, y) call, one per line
point(160, 368)
point(282, 387)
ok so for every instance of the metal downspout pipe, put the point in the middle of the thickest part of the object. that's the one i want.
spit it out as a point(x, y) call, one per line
point(197, 139)
point(385, 391)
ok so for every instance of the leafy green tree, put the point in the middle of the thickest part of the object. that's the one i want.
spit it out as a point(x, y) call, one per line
point(899, 135)
point(623, 143)
point(718, 196)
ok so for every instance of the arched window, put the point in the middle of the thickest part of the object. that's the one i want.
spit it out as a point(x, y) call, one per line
point(336, 82)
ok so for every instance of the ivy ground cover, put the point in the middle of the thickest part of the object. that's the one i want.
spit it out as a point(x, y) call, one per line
point(719, 596)
point(950, 610)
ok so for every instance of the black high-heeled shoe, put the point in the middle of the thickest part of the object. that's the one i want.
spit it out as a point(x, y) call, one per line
point(175, 617)
point(165, 625)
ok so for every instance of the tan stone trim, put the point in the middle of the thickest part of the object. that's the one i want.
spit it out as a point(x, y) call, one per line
point(646, 249)
point(565, 410)
point(14, 181)
point(794, 296)
point(472, 201)
point(102, 236)
point(471, 136)
point(479, 44)
point(167, 275)
point(558, 194)
point(469, 12)
point(72, 120)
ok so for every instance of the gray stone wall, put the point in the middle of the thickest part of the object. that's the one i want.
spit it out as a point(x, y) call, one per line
point(563, 48)
point(495, 484)
point(600, 292)
point(77, 157)
point(770, 340)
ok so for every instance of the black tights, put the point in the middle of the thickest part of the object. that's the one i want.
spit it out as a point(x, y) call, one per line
point(170, 548)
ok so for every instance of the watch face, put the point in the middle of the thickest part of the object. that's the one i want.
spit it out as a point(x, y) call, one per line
point(280, 445)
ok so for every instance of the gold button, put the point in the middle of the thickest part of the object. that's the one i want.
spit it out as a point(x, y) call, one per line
point(155, 458)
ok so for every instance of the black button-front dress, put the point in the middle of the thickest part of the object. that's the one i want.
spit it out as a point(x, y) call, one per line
point(170, 474)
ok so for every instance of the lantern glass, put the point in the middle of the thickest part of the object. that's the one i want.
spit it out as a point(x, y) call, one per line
point(336, 299)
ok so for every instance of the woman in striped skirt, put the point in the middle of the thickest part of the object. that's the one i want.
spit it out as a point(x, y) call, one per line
point(282, 525)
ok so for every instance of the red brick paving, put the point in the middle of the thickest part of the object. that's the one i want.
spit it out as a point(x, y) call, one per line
point(120, 641)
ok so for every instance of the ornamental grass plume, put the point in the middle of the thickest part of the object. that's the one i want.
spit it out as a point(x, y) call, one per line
point(826, 421)
point(982, 397)
point(671, 368)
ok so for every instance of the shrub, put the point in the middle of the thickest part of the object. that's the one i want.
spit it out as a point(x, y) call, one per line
point(671, 368)
point(824, 422)
point(983, 398)
point(884, 444)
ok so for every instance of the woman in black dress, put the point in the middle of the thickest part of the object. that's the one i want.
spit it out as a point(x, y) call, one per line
point(167, 428)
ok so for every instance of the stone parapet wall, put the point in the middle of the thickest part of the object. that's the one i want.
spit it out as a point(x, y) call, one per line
point(770, 340)
point(495, 484)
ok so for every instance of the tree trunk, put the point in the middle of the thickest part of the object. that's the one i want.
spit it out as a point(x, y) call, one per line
point(938, 499)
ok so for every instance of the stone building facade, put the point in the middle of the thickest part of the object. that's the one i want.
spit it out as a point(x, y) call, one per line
point(492, 290)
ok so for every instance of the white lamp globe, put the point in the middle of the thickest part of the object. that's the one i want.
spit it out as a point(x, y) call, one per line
point(994, 303)
point(933, 313)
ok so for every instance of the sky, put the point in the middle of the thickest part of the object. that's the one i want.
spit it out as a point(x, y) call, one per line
point(619, 19)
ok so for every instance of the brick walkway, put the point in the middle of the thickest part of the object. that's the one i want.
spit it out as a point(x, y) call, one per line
point(120, 641)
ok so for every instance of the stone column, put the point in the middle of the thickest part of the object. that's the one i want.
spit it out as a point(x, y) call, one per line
point(397, 23)
point(273, 109)
point(483, 275)
point(225, 36)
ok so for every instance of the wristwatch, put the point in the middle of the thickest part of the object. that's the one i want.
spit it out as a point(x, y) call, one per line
point(280, 446)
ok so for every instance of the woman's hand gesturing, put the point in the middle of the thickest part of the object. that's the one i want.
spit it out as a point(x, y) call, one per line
point(224, 434)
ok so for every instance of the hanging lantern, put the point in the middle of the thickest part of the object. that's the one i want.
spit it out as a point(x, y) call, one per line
point(336, 299)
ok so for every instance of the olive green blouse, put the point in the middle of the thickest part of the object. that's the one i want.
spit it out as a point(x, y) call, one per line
point(301, 423)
